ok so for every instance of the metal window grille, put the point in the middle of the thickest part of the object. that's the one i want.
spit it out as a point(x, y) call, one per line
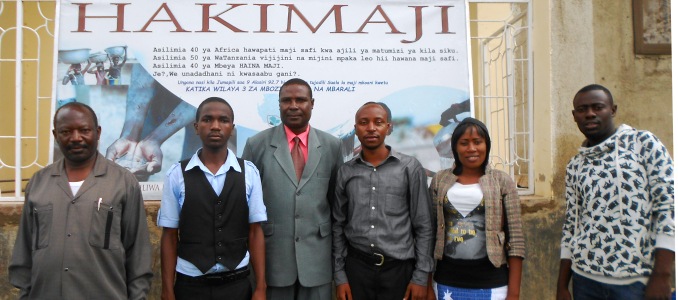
point(26, 64)
point(503, 91)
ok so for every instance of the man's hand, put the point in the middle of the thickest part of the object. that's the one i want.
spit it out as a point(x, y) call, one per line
point(167, 295)
point(259, 294)
point(659, 284)
point(562, 293)
point(658, 287)
point(564, 277)
point(344, 292)
point(415, 292)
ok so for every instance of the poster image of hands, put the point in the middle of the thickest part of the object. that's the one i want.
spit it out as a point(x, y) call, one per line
point(159, 60)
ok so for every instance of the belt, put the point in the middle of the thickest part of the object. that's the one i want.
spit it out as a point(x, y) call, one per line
point(374, 258)
point(216, 278)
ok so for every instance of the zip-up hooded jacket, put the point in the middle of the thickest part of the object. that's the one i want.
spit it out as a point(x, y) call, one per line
point(619, 197)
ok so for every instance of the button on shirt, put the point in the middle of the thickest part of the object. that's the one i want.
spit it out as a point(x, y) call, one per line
point(174, 193)
point(383, 209)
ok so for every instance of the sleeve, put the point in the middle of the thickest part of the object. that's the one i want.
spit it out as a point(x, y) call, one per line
point(338, 162)
point(433, 194)
point(255, 195)
point(339, 242)
point(516, 239)
point(135, 239)
point(247, 152)
point(571, 210)
point(21, 263)
point(660, 179)
point(168, 214)
point(420, 215)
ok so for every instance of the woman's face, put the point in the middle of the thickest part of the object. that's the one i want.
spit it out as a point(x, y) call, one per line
point(472, 149)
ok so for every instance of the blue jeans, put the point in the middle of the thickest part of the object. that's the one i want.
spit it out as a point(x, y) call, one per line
point(587, 289)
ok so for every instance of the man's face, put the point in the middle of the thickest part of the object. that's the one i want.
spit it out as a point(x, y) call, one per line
point(594, 115)
point(214, 125)
point(295, 107)
point(371, 126)
point(75, 133)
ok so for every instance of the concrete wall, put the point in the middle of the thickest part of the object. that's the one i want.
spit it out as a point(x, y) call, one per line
point(576, 42)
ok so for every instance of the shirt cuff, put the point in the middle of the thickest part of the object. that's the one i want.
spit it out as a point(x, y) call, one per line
point(256, 218)
point(167, 223)
point(420, 277)
point(665, 242)
point(565, 253)
point(340, 278)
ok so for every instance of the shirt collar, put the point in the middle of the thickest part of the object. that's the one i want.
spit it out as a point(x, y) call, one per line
point(391, 153)
point(302, 136)
point(231, 162)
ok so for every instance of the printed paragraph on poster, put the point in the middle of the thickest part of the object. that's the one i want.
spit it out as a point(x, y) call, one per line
point(246, 69)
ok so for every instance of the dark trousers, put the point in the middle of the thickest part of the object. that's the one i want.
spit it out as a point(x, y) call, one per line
point(236, 290)
point(587, 289)
point(386, 282)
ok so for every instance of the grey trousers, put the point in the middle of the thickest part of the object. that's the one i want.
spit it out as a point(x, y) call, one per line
point(299, 292)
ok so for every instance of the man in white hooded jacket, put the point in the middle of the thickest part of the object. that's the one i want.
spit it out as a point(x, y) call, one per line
point(618, 235)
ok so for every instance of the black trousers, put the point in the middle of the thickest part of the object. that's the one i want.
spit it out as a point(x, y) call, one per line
point(386, 282)
point(240, 289)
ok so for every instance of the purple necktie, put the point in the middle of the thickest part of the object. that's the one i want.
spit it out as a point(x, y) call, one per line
point(298, 158)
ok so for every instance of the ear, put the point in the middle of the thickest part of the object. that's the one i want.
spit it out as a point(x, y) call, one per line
point(195, 127)
point(312, 102)
point(98, 132)
point(573, 116)
point(390, 129)
point(54, 134)
point(614, 110)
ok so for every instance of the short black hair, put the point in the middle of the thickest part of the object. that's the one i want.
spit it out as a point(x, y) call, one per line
point(459, 131)
point(383, 105)
point(210, 100)
point(296, 81)
point(595, 87)
point(80, 104)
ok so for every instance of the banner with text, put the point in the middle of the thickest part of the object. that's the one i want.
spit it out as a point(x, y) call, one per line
point(144, 67)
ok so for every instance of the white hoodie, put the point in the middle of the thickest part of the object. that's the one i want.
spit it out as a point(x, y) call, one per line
point(619, 197)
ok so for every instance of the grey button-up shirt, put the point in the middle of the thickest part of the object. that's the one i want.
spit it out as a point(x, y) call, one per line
point(384, 209)
point(91, 245)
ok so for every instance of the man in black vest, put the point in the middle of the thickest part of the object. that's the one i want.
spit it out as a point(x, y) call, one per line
point(211, 208)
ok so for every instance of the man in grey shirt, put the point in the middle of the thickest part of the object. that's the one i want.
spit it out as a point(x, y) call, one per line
point(382, 243)
point(83, 232)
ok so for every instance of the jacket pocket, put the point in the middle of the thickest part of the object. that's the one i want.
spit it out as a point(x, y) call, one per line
point(104, 231)
point(496, 241)
point(42, 217)
point(324, 229)
point(501, 237)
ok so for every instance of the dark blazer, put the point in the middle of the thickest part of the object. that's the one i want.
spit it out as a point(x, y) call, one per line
point(298, 232)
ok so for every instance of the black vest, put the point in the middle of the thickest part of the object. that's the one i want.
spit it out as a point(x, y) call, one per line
point(213, 228)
